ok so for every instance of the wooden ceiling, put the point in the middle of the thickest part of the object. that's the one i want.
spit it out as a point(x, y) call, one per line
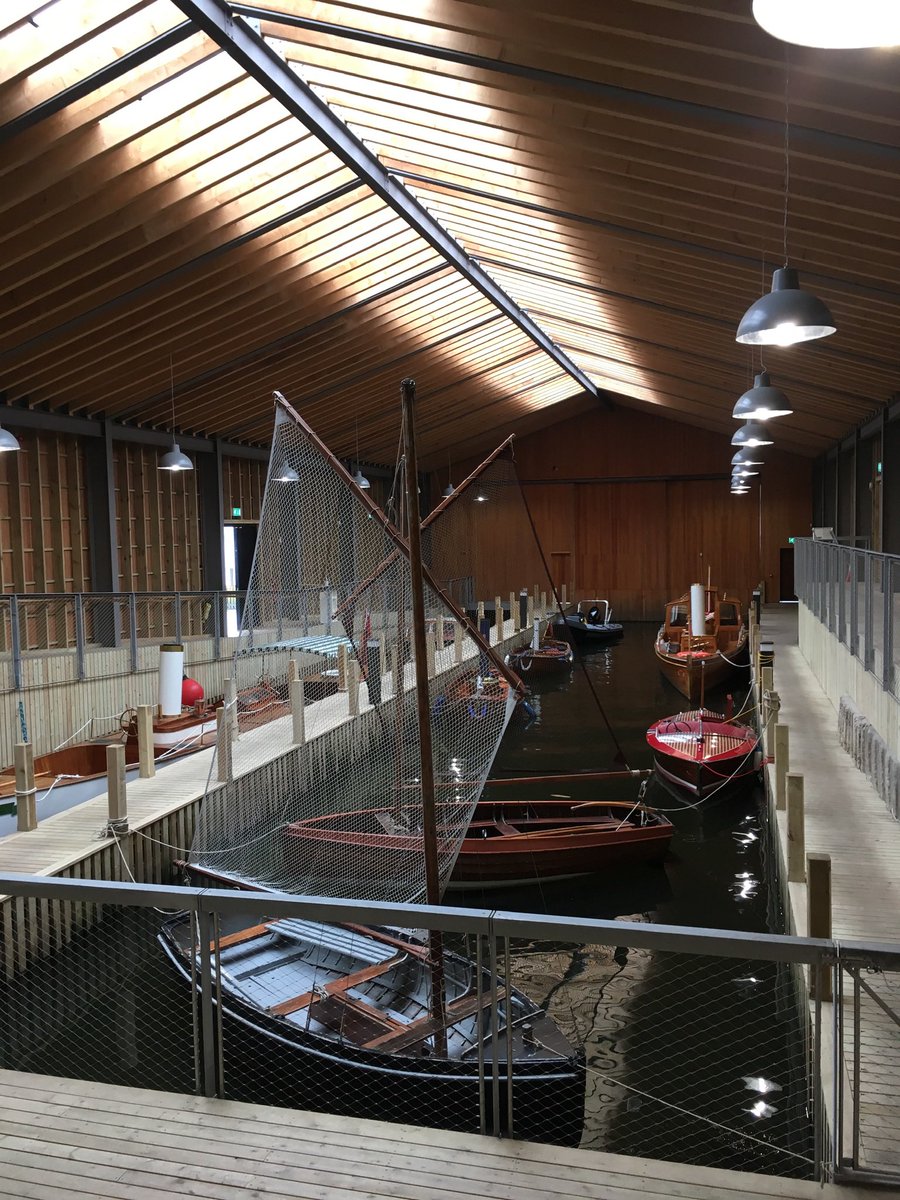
point(530, 208)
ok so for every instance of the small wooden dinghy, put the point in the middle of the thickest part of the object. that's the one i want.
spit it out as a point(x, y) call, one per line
point(544, 653)
point(704, 752)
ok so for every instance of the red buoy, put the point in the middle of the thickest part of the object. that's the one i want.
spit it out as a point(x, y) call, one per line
point(191, 692)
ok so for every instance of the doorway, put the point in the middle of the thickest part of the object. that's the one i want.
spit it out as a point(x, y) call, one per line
point(786, 574)
point(240, 545)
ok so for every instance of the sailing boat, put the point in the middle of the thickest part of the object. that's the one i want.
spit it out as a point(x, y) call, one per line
point(361, 1019)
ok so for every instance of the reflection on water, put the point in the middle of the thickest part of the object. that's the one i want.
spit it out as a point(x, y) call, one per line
point(670, 1039)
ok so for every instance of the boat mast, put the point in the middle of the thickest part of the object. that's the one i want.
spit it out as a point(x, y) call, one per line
point(429, 821)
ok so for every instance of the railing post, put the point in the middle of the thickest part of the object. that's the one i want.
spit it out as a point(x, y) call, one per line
point(868, 617)
point(132, 622)
point(146, 765)
point(208, 941)
point(796, 834)
point(782, 762)
point(79, 635)
point(887, 588)
point(26, 800)
point(853, 632)
point(818, 873)
point(298, 711)
point(16, 643)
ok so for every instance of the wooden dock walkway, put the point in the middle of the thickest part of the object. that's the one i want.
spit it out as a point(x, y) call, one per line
point(74, 1140)
point(847, 819)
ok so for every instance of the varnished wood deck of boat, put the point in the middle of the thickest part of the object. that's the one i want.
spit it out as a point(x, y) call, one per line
point(65, 1139)
point(847, 819)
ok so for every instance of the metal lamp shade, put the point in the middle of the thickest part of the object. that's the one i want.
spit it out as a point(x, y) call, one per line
point(448, 490)
point(762, 401)
point(836, 25)
point(7, 441)
point(751, 433)
point(175, 460)
point(747, 456)
point(785, 316)
point(360, 480)
point(287, 474)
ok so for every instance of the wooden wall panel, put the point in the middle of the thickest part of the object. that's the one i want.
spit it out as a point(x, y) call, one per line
point(243, 484)
point(42, 515)
point(614, 492)
point(157, 523)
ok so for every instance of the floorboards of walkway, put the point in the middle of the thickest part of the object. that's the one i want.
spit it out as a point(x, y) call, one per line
point(65, 1139)
point(846, 819)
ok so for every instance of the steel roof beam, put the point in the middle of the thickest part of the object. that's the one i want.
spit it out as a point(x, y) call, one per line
point(264, 65)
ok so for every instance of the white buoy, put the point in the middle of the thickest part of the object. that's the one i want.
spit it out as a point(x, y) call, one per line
point(698, 610)
point(171, 673)
point(536, 636)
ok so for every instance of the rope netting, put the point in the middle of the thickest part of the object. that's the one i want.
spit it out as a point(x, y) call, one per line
point(325, 797)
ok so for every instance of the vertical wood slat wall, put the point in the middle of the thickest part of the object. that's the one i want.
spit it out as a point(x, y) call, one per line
point(44, 527)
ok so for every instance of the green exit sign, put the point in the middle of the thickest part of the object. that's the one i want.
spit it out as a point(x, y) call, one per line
point(235, 512)
point(791, 541)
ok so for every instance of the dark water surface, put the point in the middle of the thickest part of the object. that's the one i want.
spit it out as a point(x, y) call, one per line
point(670, 1040)
point(689, 1037)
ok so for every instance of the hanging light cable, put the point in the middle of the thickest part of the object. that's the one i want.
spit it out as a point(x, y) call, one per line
point(359, 479)
point(788, 314)
point(174, 459)
point(449, 489)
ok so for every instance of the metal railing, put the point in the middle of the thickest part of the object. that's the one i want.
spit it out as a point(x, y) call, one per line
point(856, 595)
point(693, 1046)
point(78, 630)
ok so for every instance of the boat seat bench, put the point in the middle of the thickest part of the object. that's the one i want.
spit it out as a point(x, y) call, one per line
point(457, 1010)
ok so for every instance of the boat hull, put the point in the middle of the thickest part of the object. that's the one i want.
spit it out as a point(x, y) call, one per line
point(548, 854)
point(692, 674)
point(606, 632)
point(272, 1062)
point(704, 753)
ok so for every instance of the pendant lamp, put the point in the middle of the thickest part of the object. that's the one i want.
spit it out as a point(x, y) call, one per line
point(751, 433)
point(174, 459)
point(785, 316)
point(7, 441)
point(747, 456)
point(788, 314)
point(762, 401)
point(287, 474)
point(743, 473)
point(831, 24)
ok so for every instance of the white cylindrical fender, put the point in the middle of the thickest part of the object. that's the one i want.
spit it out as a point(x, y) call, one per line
point(536, 636)
point(171, 671)
point(698, 610)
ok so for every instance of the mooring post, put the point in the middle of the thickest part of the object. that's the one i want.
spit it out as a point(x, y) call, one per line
point(298, 711)
point(818, 874)
point(562, 594)
point(26, 800)
point(782, 761)
point(117, 800)
point(342, 667)
point(292, 670)
point(430, 653)
point(479, 613)
point(223, 746)
point(498, 619)
point(146, 764)
point(514, 611)
point(353, 687)
point(796, 834)
point(457, 643)
point(231, 707)
point(396, 669)
point(543, 609)
point(529, 613)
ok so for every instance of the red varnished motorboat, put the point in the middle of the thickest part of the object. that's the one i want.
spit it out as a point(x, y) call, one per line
point(704, 752)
